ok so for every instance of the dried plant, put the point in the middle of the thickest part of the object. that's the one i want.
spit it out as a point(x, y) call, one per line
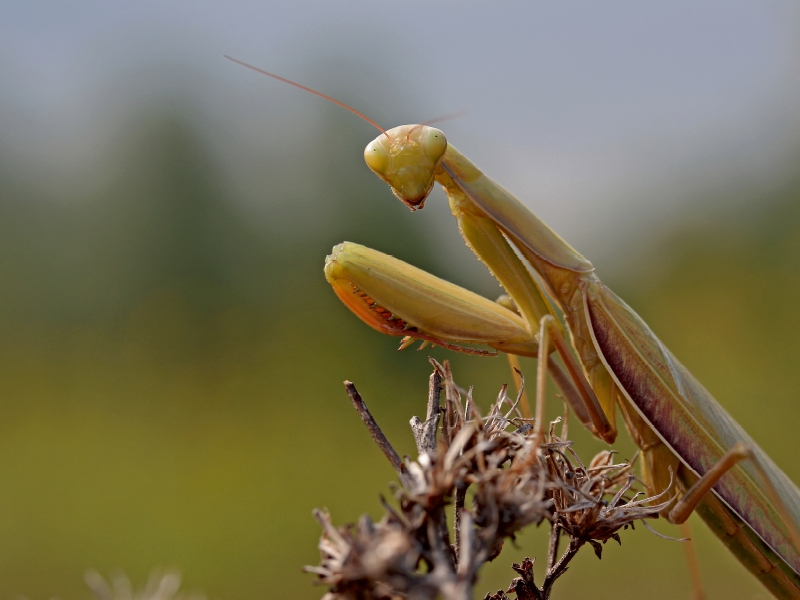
point(513, 479)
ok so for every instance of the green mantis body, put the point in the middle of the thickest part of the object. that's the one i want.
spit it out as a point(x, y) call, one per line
point(754, 508)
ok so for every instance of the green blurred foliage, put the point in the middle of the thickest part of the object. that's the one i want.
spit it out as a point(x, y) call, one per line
point(172, 373)
point(171, 370)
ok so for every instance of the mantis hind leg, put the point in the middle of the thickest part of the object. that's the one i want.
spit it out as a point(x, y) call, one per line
point(660, 467)
point(700, 488)
point(692, 494)
point(655, 460)
point(748, 548)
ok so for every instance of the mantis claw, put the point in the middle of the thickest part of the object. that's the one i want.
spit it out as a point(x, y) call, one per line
point(398, 299)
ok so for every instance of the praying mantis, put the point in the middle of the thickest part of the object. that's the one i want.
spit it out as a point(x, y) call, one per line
point(614, 359)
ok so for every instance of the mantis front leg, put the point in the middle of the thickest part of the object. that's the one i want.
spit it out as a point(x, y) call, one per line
point(399, 299)
point(490, 245)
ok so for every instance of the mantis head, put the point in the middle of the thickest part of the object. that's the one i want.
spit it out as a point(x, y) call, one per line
point(407, 158)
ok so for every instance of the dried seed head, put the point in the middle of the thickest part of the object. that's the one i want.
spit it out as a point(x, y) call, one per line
point(514, 482)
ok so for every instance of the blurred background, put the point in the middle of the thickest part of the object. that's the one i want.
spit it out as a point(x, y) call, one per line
point(171, 358)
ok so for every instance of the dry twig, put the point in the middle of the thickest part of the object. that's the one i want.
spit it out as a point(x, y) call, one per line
point(514, 483)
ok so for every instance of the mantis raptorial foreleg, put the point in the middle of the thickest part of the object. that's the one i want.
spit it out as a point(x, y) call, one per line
point(492, 247)
point(399, 299)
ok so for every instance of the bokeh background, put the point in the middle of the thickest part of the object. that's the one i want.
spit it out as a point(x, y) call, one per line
point(171, 358)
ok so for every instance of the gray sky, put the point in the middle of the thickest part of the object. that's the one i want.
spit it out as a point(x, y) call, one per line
point(588, 111)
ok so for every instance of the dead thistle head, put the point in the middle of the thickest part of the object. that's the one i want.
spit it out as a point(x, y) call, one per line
point(511, 480)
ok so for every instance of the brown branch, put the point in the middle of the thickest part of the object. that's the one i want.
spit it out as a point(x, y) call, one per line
point(552, 550)
point(458, 507)
point(560, 567)
point(425, 432)
point(375, 431)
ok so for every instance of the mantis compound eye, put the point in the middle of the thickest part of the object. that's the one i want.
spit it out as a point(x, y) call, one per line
point(377, 157)
point(434, 144)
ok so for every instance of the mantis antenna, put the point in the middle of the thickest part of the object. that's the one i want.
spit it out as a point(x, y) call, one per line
point(310, 90)
point(447, 117)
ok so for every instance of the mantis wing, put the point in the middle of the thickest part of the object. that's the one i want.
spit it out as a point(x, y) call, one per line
point(687, 418)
